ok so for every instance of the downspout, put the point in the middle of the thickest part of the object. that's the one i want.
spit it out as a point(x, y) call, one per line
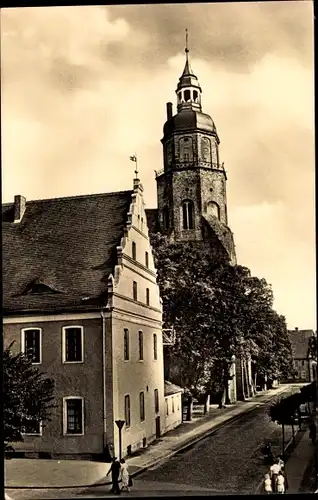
point(104, 381)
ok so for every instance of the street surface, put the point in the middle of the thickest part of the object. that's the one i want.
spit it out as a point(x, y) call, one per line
point(227, 462)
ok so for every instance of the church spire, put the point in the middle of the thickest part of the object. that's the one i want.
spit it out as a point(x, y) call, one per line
point(188, 89)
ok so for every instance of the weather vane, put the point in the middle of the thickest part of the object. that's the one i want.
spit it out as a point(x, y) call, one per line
point(134, 159)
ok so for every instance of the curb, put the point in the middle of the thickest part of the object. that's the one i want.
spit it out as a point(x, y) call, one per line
point(181, 448)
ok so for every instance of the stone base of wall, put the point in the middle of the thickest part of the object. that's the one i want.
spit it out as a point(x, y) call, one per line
point(94, 457)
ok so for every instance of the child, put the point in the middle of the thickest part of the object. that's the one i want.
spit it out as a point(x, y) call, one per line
point(267, 484)
point(280, 483)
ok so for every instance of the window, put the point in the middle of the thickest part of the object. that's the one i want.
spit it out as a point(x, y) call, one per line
point(33, 428)
point(141, 346)
point(213, 209)
point(195, 96)
point(146, 259)
point(31, 344)
point(187, 213)
point(187, 95)
point(126, 344)
point(134, 290)
point(147, 296)
point(172, 403)
point(73, 344)
point(186, 149)
point(155, 353)
point(133, 250)
point(206, 149)
point(142, 406)
point(165, 218)
point(73, 415)
point(127, 411)
point(156, 400)
point(167, 407)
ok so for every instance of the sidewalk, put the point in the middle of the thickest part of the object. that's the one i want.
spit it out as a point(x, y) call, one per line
point(53, 474)
point(298, 462)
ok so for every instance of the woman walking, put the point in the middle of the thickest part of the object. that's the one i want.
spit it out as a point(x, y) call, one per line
point(280, 482)
point(124, 475)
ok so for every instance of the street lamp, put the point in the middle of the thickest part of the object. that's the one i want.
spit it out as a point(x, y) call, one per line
point(120, 424)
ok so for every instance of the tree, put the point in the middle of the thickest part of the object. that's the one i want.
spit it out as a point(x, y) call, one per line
point(27, 395)
point(218, 311)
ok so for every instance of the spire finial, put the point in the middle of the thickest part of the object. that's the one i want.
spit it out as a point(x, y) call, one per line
point(186, 48)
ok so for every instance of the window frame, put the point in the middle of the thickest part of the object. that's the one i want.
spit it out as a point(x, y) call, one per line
point(140, 345)
point(34, 433)
point(156, 400)
point(134, 250)
point(142, 406)
point(186, 212)
point(23, 343)
point(155, 346)
point(135, 291)
point(127, 410)
point(65, 420)
point(64, 329)
point(126, 345)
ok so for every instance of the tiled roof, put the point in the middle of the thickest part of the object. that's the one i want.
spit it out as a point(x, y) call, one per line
point(61, 253)
point(171, 388)
point(299, 341)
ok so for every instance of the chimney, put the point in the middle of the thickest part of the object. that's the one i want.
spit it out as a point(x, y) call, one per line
point(169, 110)
point(19, 207)
point(296, 328)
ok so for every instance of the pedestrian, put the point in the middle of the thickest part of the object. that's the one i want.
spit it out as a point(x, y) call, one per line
point(268, 484)
point(280, 483)
point(280, 462)
point(274, 471)
point(115, 470)
point(124, 472)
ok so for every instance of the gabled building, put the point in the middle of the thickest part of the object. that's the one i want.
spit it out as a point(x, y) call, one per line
point(81, 299)
point(304, 362)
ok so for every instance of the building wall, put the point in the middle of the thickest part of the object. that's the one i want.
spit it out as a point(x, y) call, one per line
point(304, 369)
point(134, 376)
point(173, 418)
point(71, 379)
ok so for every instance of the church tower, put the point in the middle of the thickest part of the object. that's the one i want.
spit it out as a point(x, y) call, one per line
point(191, 188)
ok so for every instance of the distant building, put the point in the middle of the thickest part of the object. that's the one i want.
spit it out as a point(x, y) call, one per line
point(173, 406)
point(303, 360)
point(81, 298)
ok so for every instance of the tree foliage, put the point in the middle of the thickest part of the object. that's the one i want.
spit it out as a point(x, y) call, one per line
point(27, 395)
point(218, 311)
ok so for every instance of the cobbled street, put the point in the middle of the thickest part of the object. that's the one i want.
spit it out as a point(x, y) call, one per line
point(227, 462)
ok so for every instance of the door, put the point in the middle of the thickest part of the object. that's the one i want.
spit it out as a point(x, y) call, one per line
point(157, 427)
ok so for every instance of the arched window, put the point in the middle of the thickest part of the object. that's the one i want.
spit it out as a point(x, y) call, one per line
point(186, 149)
point(213, 209)
point(206, 149)
point(166, 217)
point(187, 95)
point(188, 214)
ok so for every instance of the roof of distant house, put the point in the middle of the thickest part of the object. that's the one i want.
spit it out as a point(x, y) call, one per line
point(171, 388)
point(60, 255)
point(299, 341)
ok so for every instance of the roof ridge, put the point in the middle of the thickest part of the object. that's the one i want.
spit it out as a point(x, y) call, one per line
point(73, 197)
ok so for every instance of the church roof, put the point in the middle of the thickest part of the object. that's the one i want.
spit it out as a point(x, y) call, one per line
point(300, 342)
point(189, 120)
point(61, 253)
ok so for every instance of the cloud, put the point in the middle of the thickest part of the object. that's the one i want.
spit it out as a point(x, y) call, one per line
point(83, 88)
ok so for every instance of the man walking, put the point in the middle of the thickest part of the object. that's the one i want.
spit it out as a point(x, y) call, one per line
point(115, 470)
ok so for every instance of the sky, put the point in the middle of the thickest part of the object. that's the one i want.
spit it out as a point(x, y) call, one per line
point(85, 87)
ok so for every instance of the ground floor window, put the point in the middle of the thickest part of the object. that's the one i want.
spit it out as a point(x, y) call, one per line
point(73, 415)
